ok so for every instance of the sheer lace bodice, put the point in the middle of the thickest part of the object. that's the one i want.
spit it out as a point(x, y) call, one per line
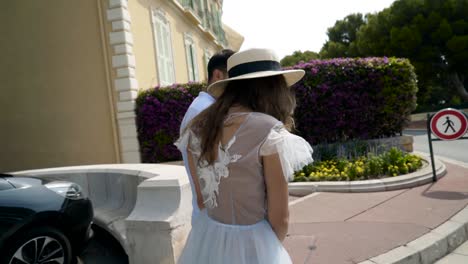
point(233, 188)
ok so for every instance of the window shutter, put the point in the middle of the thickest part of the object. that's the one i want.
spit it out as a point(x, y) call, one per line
point(188, 57)
point(168, 55)
point(163, 57)
point(191, 58)
point(163, 43)
point(194, 61)
point(206, 59)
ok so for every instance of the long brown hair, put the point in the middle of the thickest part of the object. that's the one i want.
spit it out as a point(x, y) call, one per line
point(269, 95)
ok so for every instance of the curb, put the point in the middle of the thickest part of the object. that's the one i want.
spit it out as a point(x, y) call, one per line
point(410, 180)
point(302, 198)
point(433, 245)
point(415, 129)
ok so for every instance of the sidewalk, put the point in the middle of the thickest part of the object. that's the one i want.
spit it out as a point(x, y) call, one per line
point(355, 227)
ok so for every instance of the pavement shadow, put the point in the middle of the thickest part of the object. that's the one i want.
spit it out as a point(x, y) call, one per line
point(445, 195)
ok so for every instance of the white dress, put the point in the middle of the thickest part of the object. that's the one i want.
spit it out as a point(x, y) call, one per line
point(234, 229)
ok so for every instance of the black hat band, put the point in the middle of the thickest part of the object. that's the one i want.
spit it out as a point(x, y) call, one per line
point(254, 66)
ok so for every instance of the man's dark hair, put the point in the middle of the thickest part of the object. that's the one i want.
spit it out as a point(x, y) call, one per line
point(218, 62)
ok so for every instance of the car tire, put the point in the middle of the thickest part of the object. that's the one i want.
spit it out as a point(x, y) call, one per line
point(53, 245)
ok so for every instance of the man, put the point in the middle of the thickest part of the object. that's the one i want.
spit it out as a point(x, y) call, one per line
point(217, 70)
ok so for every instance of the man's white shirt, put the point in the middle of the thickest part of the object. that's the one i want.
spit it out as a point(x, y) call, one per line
point(203, 101)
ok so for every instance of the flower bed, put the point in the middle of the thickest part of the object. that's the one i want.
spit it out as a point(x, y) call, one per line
point(389, 164)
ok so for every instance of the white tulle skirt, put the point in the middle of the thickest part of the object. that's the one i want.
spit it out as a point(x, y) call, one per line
point(212, 242)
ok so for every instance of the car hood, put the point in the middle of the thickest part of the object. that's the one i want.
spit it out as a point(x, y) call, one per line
point(23, 182)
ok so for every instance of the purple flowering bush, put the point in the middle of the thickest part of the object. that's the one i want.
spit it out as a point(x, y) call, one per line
point(159, 112)
point(338, 100)
point(344, 99)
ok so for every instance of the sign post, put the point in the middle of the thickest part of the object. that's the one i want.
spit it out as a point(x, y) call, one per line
point(447, 124)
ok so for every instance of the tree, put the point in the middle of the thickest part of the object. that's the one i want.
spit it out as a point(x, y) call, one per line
point(299, 56)
point(342, 36)
point(433, 34)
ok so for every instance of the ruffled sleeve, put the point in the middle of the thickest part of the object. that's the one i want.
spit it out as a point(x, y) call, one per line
point(294, 151)
point(182, 141)
point(188, 141)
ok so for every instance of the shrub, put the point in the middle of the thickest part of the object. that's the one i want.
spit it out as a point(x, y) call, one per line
point(338, 100)
point(159, 112)
point(343, 99)
point(391, 163)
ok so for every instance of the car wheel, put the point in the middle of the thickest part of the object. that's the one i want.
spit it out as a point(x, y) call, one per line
point(37, 246)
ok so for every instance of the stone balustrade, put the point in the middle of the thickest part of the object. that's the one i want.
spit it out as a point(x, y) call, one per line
point(145, 207)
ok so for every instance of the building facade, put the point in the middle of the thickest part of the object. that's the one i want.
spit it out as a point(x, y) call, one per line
point(71, 70)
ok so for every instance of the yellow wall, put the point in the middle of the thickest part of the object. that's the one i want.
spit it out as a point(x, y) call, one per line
point(142, 29)
point(54, 104)
point(143, 47)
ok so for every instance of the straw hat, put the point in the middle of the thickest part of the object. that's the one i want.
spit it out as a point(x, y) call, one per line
point(254, 63)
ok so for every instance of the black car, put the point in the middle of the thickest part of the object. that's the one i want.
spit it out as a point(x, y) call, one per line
point(42, 222)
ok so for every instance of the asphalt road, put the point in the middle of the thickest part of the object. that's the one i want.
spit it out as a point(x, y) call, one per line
point(456, 150)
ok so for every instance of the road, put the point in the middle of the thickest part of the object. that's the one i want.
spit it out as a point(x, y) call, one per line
point(456, 150)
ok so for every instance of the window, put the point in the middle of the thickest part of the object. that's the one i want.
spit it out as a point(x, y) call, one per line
point(206, 57)
point(194, 4)
point(191, 56)
point(163, 46)
point(204, 13)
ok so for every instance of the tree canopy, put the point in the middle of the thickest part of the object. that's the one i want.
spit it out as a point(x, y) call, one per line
point(433, 34)
point(342, 36)
point(299, 56)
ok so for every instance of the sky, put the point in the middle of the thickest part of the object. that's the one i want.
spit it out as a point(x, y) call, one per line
point(289, 25)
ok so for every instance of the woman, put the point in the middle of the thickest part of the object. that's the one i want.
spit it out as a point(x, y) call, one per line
point(241, 157)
